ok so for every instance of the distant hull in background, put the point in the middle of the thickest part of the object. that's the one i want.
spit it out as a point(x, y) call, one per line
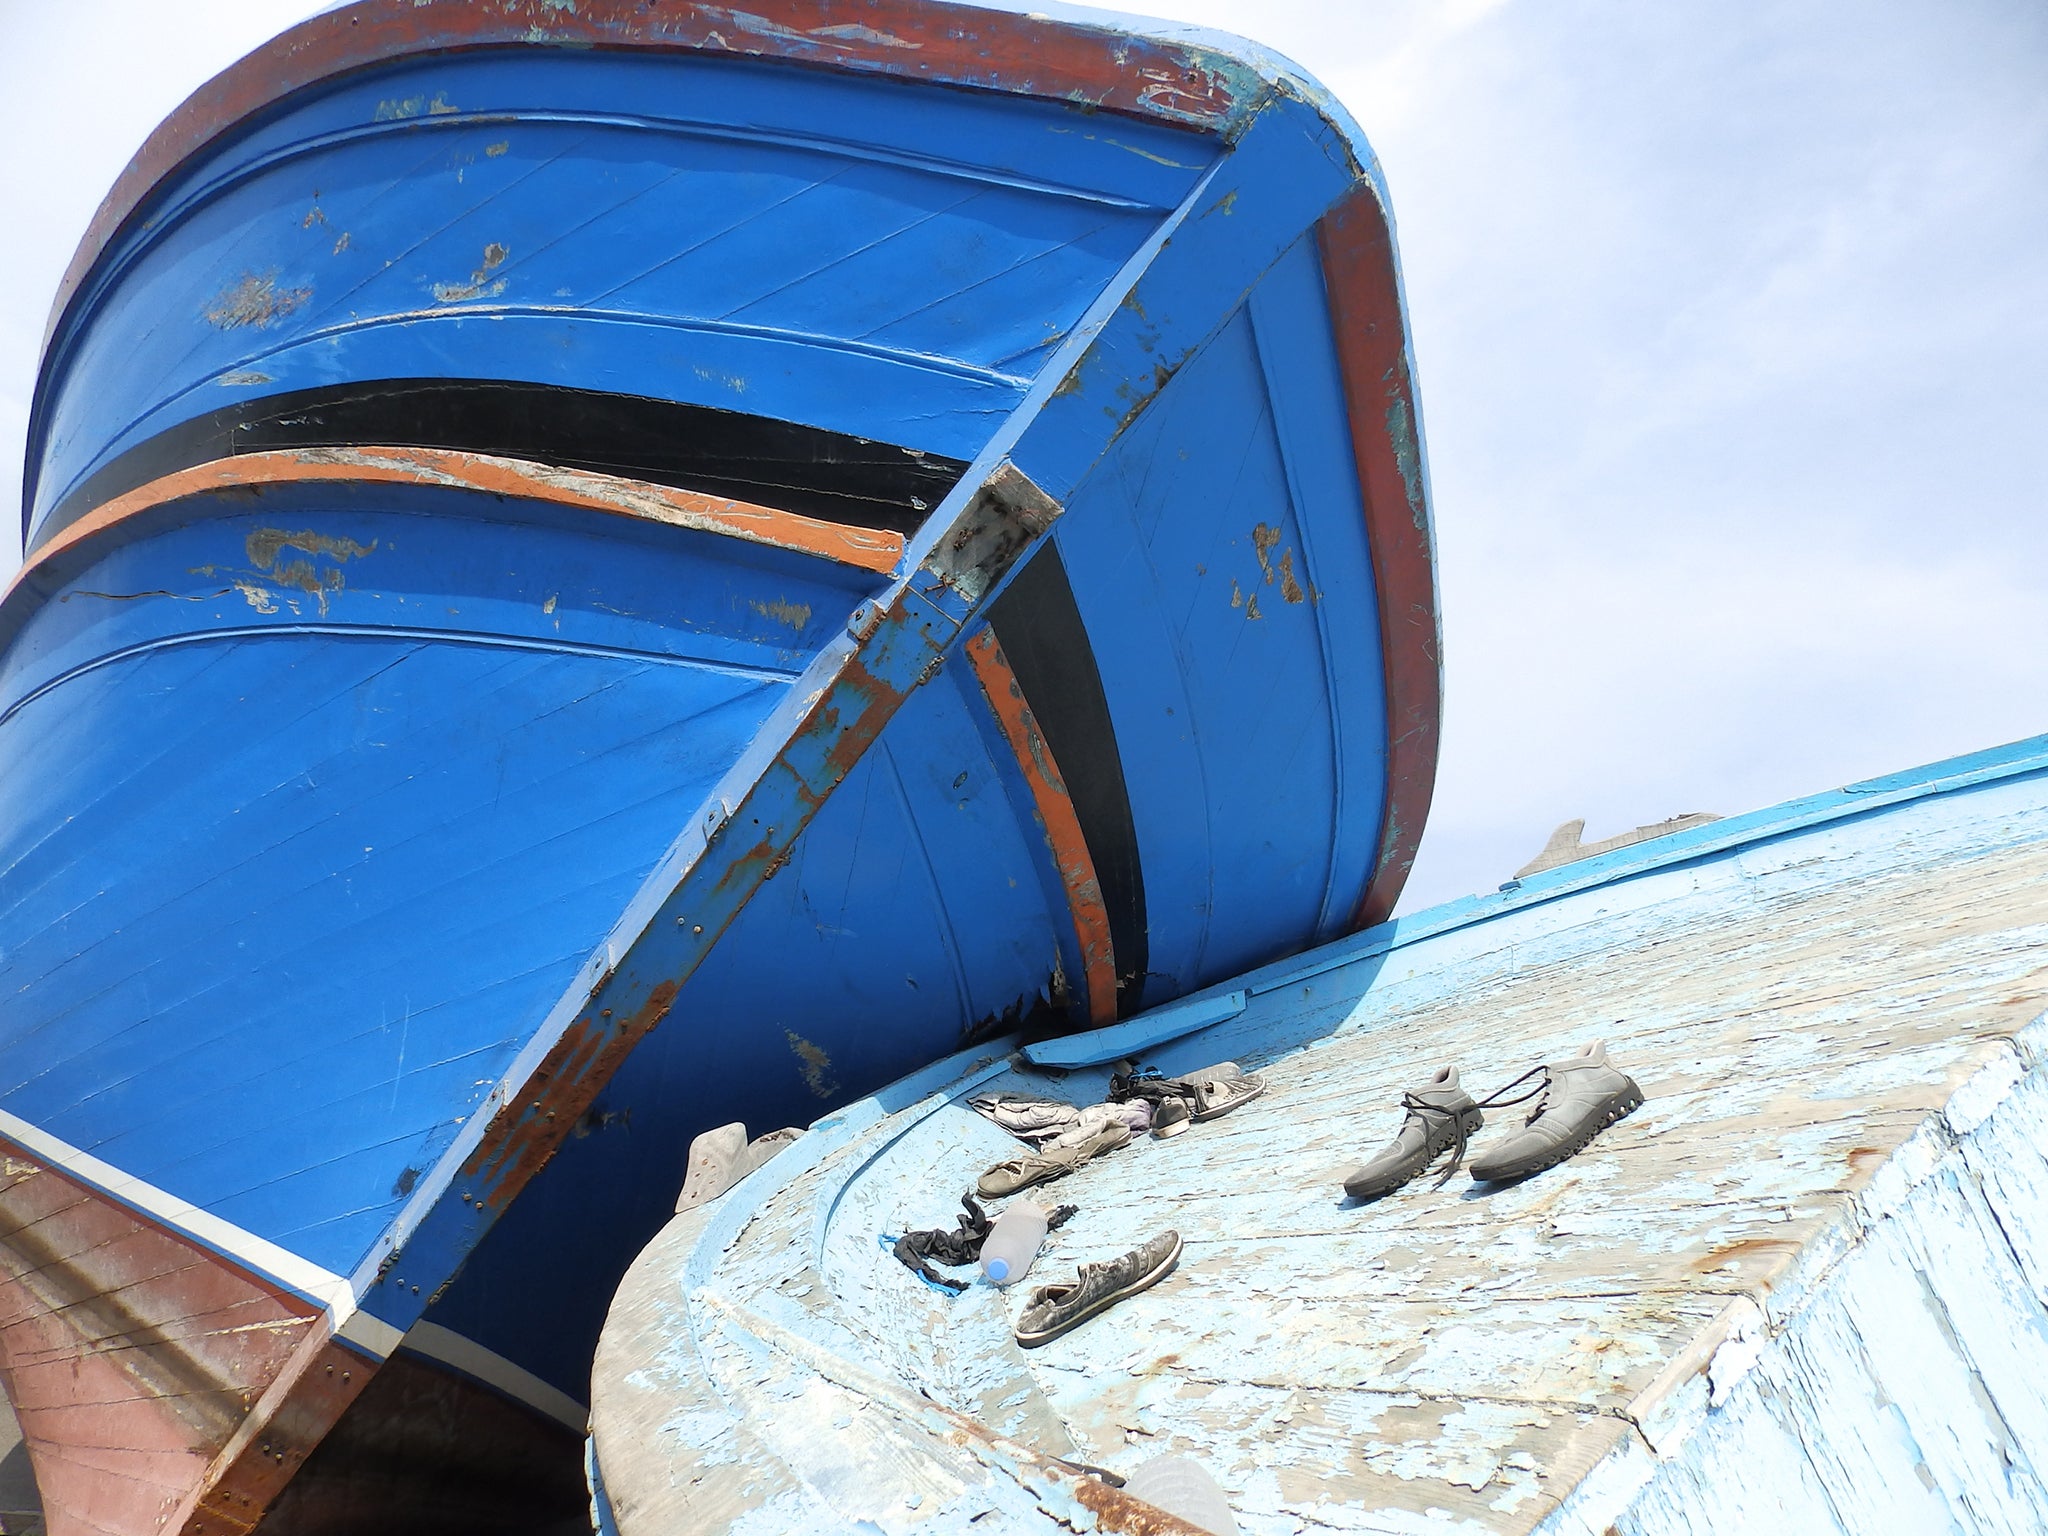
point(595, 572)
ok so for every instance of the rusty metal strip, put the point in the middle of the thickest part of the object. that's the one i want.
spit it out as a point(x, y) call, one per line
point(898, 644)
point(870, 549)
point(1386, 438)
point(948, 45)
point(1062, 828)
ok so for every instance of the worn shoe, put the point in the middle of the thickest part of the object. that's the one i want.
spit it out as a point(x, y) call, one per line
point(1171, 1118)
point(1205, 1094)
point(720, 1158)
point(1055, 1309)
point(1220, 1089)
point(1097, 1118)
point(1576, 1100)
point(1015, 1173)
point(1441, 1114)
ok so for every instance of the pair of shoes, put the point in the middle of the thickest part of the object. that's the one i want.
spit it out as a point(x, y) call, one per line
point(1177, 1102)
point(1055, 1162)
point(1576, 1099)
point(1057, 1309)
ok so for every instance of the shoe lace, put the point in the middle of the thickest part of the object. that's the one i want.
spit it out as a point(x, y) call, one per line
point(1495, 1100)
point(1151, 1085)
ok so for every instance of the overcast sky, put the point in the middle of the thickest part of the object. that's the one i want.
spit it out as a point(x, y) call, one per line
point(1732, 322)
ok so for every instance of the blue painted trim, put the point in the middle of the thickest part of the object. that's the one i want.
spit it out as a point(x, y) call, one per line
point(1116, 1041)
point(602, 1521)
point(1975, 770)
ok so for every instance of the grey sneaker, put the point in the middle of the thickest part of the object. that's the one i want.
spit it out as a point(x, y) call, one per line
point(1221, 1088)
point(1441, 1114)
point(1054, 1309)
point(1577, 1099)
point(1171, 1118)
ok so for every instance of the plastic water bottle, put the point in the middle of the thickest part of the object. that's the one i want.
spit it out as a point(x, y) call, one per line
point(1012, 1243)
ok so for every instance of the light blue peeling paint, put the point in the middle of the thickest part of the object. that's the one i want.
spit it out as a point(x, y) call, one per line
point(1801, 1288)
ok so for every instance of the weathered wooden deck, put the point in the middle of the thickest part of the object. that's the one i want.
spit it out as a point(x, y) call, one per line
point(1801, 1289)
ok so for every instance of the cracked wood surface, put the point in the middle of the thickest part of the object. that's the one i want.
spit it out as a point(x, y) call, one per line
point(1799, 1010)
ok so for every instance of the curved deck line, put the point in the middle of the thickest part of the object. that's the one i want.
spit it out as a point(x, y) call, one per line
point(871, 549)
point(1362, 274)
point(1056, 814)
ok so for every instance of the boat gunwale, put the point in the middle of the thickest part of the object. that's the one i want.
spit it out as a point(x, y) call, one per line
point(1082, 64)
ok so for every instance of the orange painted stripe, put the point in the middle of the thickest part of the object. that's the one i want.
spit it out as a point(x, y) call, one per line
point(871, 549)
point(1364, 284)
point(1056, 816)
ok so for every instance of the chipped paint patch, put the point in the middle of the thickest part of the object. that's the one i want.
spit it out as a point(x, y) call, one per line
point(795, 615)
point(254, 299)
point(341, 244)
point(265, 544)
point(398, 109)
point(257, 596)
point(492, 151)
point(854, 32)
point(817, 1066)
point(480, 284)
point(266, 548)
point(729, 381)
point(1264, 537)
point(1289, 587)
point(249, 377)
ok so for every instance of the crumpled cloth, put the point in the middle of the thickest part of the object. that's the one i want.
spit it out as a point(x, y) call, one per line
point(1027, 1116)
point(918, 1251)
point(1134, 1114)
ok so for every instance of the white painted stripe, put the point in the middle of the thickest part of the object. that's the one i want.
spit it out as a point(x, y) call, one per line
point(472, 1359)
point(370, 1333)
point(287, 1269)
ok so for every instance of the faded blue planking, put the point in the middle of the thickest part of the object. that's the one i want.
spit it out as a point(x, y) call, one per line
point(1804, 1287)
point(723, 234)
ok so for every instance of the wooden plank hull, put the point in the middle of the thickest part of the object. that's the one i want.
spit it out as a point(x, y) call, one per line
point(1799, 1288)
point(579, 595)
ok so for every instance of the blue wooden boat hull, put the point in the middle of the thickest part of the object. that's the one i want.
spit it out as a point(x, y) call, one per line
point(596, 572)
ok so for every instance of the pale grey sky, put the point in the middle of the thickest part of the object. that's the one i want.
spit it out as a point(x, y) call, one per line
point(1732, 323)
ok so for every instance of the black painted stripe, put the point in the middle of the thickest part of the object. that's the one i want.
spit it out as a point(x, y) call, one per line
point(1039, 627)
point(829, 475)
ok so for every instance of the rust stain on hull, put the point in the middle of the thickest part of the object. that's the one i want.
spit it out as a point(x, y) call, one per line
point(1366, 315)
point(524, 1134)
